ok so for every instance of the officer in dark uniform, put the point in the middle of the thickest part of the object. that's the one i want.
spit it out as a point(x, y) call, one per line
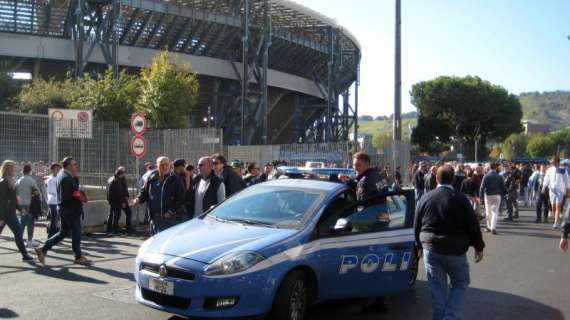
point(366, 184)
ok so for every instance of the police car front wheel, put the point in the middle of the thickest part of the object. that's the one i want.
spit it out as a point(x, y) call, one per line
point(292, 298)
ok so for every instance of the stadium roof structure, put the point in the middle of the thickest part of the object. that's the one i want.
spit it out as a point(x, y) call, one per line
point(276, 43)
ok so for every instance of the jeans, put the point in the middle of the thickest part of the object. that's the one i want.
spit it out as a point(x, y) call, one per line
point(512, 205)
point(115, 216)
point(158, 223)
point(11, 220)
point(542, 206)
point(27, 221)
point(53, 220)
point(70, 223)
point(447, 299)
point(419, 194)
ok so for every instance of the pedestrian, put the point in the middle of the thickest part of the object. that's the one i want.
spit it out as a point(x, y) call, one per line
point(264, 176)
point(164, 194)
point(459, 177)
point(25, 186)
point(9, 204)
point(397, 178)
point(512, 180)
point(232, 182)
point(365, 185)
point(558, 183)
point(565, 228)
point(118, 199)
point(469, 189)
point(51, 184)
point(445, 227)
point(526, 173)
point(70, 202)
point(543, 202)
point(238, 169)
point(430, 179)
point(253, 170)
point(492, 190)
point(180, 168)
point(208, 189)
point(188, 188)
point(149, 168)
point(418, 181)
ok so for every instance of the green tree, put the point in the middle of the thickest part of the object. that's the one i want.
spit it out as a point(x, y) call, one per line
point(110, 99)
point(40, 95)
point(380, 141)
point(515, 146)
point(562, 141)
point(471, 108)
point(431, 135)
point(169, 92)
point(8, 91)
point(541, 146)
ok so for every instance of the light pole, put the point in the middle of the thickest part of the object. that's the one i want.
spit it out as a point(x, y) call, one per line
point(397, 124)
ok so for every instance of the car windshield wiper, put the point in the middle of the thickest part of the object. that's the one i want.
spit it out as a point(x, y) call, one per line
point(252, 222)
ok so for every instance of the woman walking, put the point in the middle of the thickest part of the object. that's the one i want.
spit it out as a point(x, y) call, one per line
point(8, 205)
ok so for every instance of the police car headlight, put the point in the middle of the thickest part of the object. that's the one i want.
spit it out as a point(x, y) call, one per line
point(233, 263)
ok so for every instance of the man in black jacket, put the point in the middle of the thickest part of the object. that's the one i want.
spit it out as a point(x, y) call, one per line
point(445, 227)
point(118, 199)
point(164, 193)
point(418, 181)
point(232, 182)
point(367, 180)
point(70, 201)
point(207, 189)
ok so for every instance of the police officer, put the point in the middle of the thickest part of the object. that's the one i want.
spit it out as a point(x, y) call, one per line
point(366, 183)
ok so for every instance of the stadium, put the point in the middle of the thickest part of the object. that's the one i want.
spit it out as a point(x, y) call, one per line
point(301, 68)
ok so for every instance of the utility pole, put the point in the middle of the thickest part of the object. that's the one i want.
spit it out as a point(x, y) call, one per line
point(397, 121)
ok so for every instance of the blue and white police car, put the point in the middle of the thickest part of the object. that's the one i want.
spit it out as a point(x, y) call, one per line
point(277, 247)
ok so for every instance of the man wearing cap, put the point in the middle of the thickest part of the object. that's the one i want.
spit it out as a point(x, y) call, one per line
point(232, 181)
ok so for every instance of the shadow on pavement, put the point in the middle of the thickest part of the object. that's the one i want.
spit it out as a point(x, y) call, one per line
point(7, 314)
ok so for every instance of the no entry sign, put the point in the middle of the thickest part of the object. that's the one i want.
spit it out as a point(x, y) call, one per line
point(138, 146)
point(138, 123)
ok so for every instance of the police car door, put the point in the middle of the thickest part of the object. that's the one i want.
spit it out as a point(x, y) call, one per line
point(371, 257)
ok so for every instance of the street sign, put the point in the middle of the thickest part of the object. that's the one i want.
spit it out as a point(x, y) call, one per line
point(138, 123)
point(67, 123)
point(138, 146)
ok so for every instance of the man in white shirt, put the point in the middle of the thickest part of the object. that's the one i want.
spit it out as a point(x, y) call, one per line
point(558, 183)
point(51, 185)
point(207, 189)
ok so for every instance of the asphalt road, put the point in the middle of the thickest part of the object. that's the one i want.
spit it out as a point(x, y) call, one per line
point(523, 276)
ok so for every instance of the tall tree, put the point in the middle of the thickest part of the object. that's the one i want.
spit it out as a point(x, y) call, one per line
point(40, 95)
point(541, 146)
point(169, 92)
point(110, 99)
point(471, 108)
point(515, 146)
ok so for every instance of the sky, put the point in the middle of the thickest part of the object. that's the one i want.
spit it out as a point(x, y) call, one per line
point(521, 45)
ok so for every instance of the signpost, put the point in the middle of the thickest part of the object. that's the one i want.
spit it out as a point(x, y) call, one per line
point(139, 145)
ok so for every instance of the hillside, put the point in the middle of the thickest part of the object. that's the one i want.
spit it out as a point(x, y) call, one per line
point(549, 107)
point(383, 126)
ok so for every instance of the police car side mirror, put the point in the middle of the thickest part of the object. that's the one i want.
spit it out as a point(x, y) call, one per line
point(342, 225)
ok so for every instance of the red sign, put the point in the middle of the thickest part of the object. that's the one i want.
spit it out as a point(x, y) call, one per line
point(138, 146)
point(138, 123)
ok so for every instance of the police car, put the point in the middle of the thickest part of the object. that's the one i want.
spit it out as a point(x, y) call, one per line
point(277, 247)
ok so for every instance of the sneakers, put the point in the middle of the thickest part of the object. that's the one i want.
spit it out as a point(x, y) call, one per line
point(28, 258)
point(83, 261)
point(495, 232)
point(32, 244)
point(537, 220)
point(487, 229)
point(41, 255)
point(556, 225)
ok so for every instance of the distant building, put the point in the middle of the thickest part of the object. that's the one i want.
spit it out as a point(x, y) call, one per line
point(532, 127)
point(364, 139)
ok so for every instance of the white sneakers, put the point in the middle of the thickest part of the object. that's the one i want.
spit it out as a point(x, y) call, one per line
point(32, 244)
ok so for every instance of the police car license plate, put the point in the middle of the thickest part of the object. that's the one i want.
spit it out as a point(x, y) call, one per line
point(161, 286)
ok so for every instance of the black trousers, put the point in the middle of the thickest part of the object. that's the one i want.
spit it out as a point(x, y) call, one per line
point(542, 206)
point(11, 220)
point(115, 216)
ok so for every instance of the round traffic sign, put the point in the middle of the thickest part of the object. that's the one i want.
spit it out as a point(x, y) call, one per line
point(138, 146)
point(138, 123)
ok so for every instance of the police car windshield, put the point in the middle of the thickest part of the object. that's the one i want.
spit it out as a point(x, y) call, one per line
point(269, 206)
